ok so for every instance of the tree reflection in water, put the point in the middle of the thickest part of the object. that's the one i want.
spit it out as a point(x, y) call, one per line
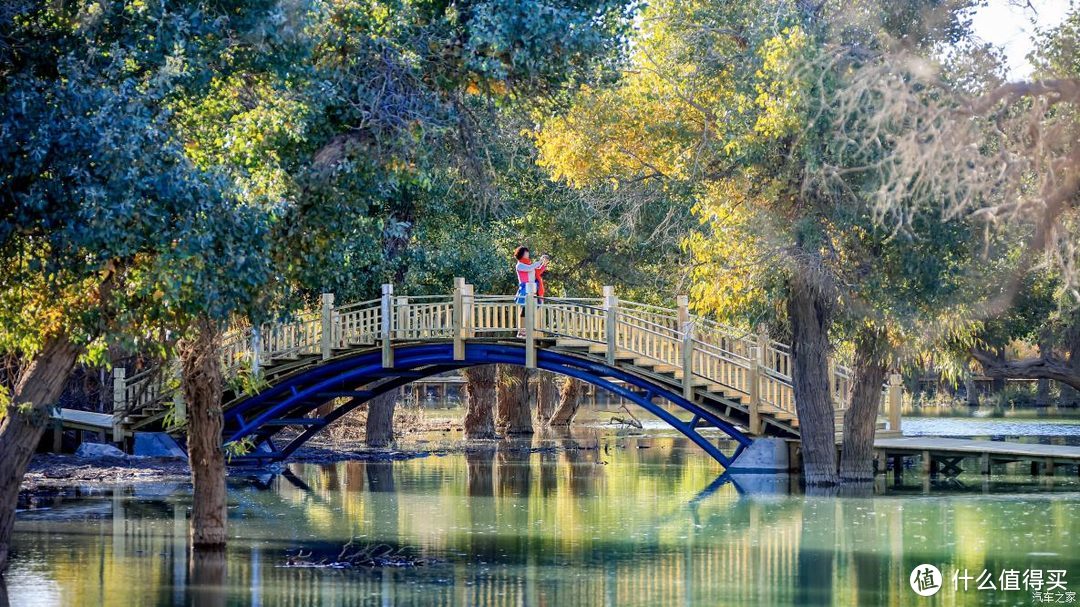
point(552, 520)
point(207, 585)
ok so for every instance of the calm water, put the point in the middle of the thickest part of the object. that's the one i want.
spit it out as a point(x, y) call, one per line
point(596, 520)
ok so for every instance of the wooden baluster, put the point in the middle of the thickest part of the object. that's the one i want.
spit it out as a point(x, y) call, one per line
point(256, 355)
point(404, 318)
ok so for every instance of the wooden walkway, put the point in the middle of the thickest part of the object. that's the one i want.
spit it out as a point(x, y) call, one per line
point(945, 454)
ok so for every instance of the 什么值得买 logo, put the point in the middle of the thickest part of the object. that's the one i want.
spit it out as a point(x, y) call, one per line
point(925, 580)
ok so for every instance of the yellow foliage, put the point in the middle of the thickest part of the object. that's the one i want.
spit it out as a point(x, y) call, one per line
point(779, 89)
point(729, 274)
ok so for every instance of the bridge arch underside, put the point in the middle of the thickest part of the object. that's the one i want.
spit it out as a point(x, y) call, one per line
point(361, 377)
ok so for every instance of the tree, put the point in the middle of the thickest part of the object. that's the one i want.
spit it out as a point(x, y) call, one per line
point(569, 399)
point(978, 146)
point(480, 395)
point(379, 431)
point(513, 404)
point(108, 228)
point(734, 105)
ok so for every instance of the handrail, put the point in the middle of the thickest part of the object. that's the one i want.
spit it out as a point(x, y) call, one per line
point(702, 348)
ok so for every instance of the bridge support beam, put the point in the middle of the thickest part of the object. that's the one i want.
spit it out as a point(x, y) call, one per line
point(763, 456)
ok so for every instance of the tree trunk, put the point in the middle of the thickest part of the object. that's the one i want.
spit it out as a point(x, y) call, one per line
point(547, 396)
point(39, 386)
point(380, 420)
point(997, 382)
point(809, 312)
point(513, 400)
point(202, 385)
point(860, 419)
point(1042, 389)
point(971, 390)
point(479, 401)
point(569, 398)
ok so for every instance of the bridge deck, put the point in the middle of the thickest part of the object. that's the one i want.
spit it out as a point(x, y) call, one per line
point(934, 450)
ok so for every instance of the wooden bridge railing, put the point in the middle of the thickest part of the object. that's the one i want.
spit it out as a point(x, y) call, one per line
point(699, 351)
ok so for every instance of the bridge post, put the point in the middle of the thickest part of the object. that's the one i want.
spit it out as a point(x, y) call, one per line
point(530, 321)
point(756, 366)
point(327, 324)
point(459, 319)
point(468, 297)
point(119, 386)
point(387, 328)
point(895, 396)
point(611, 315)
point(688, 360)
point(687, 328)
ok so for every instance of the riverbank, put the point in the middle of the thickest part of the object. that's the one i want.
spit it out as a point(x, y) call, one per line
point(52, 470)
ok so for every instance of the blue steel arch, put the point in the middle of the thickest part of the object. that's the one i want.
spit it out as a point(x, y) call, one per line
point(260, 415)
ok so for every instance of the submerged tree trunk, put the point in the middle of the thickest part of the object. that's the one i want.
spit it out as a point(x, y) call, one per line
point(860, 419)
point(202, 385)
point(36, 390)
point(569, 398)
point(515, 415)
point(479, 401)
point(809, 312)
point(379, 431)
point(547, 396)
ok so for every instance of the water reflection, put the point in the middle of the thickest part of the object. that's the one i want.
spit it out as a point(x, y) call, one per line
point(557, 520)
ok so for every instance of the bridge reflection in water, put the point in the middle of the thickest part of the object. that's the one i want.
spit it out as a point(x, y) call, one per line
point(548, 522)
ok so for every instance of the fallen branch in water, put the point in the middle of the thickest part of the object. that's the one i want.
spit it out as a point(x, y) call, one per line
point(633, 421)
point(372, 555)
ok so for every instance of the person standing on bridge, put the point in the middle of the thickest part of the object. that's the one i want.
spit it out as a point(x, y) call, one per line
point(524, 266)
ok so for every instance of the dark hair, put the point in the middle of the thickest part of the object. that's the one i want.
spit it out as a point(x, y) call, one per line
point(520, 252)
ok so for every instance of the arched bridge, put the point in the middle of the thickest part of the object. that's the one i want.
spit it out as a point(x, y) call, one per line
point(689, 371)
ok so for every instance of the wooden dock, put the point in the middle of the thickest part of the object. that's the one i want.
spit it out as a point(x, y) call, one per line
point(944, 455)
point(85, 420)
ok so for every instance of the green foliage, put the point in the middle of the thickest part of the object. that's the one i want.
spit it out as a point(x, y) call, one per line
point(245, 382)
point(239, 447)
